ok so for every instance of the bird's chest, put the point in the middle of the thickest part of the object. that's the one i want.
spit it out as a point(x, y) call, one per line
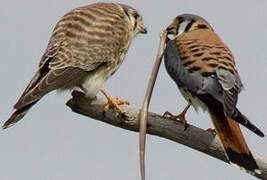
point(116, 64)
point(95, 80)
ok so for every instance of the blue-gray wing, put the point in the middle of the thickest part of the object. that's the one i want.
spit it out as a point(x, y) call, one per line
point(194, 74)
point(231, 85)
point(207, 73)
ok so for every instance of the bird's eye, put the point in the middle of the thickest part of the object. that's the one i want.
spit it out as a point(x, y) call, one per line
point(135, 15)
point(202, 26)
point(136, 19)
point(135, 24)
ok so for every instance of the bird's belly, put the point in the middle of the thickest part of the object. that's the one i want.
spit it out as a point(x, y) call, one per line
point(95, 80)
point(92, 84)
point(193, 100)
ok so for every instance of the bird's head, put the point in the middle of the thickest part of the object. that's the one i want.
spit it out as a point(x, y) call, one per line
point(135, 19)
point(186, 23)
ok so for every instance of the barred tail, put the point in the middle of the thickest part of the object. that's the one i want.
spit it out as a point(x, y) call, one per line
point(17, 115)
point(234, 143)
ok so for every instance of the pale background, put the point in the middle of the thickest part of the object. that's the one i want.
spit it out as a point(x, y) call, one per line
point(52, 143)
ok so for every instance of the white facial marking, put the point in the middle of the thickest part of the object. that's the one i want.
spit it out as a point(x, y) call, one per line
point(182, 27)
point(132, 19)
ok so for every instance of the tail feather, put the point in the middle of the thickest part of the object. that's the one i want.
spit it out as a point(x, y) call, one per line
point(44, 81)
point(17, 115)
point(240, 118)
point(233, 142)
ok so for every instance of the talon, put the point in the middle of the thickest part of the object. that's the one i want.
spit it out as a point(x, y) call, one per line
point(212, 130)
point(106, 107)
point(180, 117)
point(169, 115)
point(114, 103)
point(165, 115)
point(120, 102)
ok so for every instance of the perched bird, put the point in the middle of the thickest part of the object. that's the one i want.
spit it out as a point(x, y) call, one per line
point(204, 70)
point(87, 46)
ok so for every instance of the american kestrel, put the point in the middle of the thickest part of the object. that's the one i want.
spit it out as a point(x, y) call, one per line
point(204, 70)
point(87, 46)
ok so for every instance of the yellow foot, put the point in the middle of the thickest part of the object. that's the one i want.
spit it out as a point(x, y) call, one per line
point(114, 103)
point(212, 130)
point(180, 117)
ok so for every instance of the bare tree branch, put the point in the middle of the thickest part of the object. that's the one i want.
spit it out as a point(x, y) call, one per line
point(194, 137)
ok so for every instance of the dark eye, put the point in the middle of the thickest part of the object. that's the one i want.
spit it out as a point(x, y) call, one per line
point(136, 16)
point(202, 26)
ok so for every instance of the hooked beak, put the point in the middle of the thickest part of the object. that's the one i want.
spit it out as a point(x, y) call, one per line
point(143, 29)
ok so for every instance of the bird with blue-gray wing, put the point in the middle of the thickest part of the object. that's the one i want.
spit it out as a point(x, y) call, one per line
point(204, 70)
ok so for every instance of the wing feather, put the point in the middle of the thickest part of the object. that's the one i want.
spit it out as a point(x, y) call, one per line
point(53, 79)
point(218, 89)
point(231, 86)
point(203, 70)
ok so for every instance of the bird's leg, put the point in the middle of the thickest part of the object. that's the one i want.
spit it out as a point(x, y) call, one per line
point(180, 117)
point(114, 102)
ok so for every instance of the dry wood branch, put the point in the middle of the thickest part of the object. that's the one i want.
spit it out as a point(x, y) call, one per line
point(194, 137)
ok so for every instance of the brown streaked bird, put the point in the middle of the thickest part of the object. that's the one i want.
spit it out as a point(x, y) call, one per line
point(87, 46)
point(204, 70)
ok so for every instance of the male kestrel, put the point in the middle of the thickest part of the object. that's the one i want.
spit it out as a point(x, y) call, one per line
point(87, 46)
point(204, 70)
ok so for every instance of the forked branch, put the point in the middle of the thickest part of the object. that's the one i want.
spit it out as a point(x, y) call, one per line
point(194, 137)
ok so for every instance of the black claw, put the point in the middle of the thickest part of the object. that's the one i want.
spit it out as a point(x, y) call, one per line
point(186, 126)
point(124, 116)
point(104, 113)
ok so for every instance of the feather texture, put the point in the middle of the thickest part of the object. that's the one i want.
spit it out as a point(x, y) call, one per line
point(87, 41)
point(204, 70)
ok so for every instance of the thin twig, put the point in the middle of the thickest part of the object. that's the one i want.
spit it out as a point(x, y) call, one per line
point(144, 110)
